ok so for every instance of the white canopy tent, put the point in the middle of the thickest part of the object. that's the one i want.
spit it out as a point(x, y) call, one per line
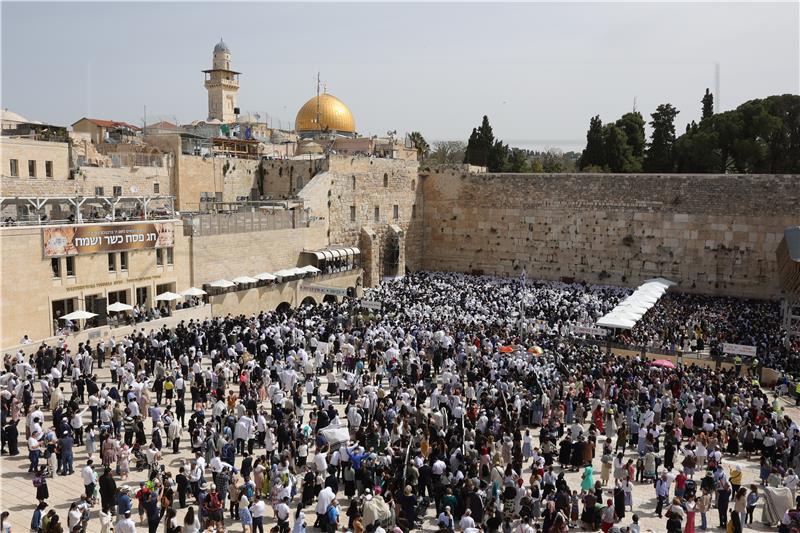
point(222, 284)
point(244, 280)
point(630, 310)
point(117, 307)
point(265, 276)
point(168, 297)
point(193, 291)
point(80, 314)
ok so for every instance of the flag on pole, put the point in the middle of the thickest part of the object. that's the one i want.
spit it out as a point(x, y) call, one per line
point(522, 276)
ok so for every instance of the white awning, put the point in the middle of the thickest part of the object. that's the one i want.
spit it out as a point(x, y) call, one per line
point(117, 307)
point(265, 276)
point(243, 280)
point(319, 254)
point(222, 284)
point(327, 254)
point(193, 291)
point(80, 314)
point(337, 253)
point(168, 297)
point(310, 269)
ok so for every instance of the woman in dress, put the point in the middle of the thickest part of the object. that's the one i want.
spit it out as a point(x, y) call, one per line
point(40, 482)
point(123, 462)
point(587, 479)
point(91, 439)
point(691, 510)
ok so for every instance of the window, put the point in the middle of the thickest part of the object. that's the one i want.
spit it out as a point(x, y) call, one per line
point(14, 167)
point(117, 190)
point(377, 213)
point(352, 213)
point(98, 191)
point(32, 168)
point(70, 266)
point(48, 169)
point(396, 212)
point(386, 180)
point(170, 256)
point(159, 257)
point(123, 261)
point(354, 183)
point(155, 188)
point(112, 262)
point(413, 210)
point(55, 264)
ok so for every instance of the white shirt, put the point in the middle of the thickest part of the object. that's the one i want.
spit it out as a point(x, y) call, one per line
point(88, 475)
point(258, 509)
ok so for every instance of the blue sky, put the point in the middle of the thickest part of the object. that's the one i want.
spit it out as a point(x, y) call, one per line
point(540, 71)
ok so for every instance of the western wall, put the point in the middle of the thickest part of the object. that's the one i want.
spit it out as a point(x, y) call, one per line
point(715, 234)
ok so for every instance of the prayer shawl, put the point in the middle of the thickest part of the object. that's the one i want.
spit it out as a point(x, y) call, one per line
point(776, 501)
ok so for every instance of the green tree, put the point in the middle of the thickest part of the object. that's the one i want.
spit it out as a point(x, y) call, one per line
point(480, 144)
point(537, 166)
point(518, 161)
point(708, 105)
point(633, 126)
point(593, 154)
point(419, 142)
point(447, 153)
point(659, 154)
point(619, 155)
point(498, 157)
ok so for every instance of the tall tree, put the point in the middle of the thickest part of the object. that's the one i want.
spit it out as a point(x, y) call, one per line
point(593, 155)
point(480, 143)
point(633, 126)
point(659, 156)
point(498, 157)
point(419, 142)
point(619, 155)
point(447, 153)
point(708, 105)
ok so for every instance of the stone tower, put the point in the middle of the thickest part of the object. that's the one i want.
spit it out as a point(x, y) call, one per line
point(222, 84)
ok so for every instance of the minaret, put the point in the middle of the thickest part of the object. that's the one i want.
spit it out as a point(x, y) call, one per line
point(222, 84)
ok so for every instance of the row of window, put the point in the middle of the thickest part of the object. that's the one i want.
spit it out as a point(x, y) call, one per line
point(115, 259)
point(117, 190)
point(14, 168)
point(377, 211)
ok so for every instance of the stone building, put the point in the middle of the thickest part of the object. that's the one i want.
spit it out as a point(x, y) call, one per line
point(222, 84)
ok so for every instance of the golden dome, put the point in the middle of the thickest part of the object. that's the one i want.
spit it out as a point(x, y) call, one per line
point(333, 115)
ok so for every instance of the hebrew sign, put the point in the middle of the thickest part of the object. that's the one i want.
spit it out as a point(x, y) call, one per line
point(102, 238)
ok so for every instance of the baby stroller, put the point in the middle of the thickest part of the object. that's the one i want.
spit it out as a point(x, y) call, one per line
point(138, 455)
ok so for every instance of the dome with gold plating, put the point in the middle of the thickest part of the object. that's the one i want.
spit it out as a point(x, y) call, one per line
point(331, 114)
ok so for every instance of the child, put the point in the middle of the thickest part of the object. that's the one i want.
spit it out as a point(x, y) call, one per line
point(752, 499)
point(634, 527)
point(574, 511)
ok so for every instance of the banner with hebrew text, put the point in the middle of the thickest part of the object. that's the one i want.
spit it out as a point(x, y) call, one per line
point(102, 238)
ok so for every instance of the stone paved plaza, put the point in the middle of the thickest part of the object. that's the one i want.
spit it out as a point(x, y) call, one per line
point(18, 494)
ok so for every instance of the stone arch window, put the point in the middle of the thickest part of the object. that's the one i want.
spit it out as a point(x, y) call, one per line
point(354, 182)
point(385, 180)
point(413, 185)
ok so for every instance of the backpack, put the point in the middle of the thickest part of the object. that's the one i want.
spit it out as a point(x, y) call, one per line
point(213, 502)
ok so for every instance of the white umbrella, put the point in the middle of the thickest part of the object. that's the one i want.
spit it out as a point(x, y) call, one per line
point(265, 276)
point(222, 284)
point(168, 297)
point(116, 307)
point(193, 291)
point(242, 280)
point(311, 268)
point(80, 314)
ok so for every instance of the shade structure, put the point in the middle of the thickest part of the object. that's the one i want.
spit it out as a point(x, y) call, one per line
point(310, 268)
point(168, 297)
point(663, 363)
point(222, 284)
point(265, 276)
point(80, 314)
point(117, 307)
point(193, 291)
point(630, 310)
point(243, 280)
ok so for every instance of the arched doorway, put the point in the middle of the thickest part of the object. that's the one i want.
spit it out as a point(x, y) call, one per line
point(283, 307)
point(330, 298)
point(308, 301)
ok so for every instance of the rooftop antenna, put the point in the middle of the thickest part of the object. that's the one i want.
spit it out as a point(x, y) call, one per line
point(634, 104)
point(716, 87)
point(318, 83)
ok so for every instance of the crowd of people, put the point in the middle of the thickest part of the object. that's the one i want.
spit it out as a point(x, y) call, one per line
point(462, 405)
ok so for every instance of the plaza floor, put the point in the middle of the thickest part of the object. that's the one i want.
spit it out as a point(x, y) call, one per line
point(17, 493)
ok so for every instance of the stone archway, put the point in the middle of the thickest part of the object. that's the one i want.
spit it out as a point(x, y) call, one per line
point(284, 307)
point(308, 300)
point(330, 298)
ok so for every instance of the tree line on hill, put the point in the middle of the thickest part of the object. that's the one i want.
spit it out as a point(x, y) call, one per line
point(759, 136)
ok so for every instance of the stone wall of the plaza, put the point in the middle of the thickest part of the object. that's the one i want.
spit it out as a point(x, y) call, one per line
point(225, 178)
point(231, 255)
point(347, 194)
point(714, 234)
point(28, 286)
point(284, 178)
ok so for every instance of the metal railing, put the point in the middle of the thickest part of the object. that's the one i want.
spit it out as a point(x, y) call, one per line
point(203, 224)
